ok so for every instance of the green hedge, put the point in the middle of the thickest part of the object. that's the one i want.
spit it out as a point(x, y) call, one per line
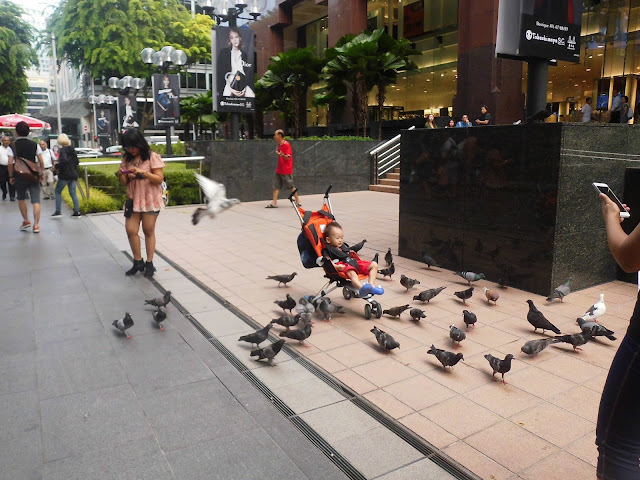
point(178, 149)
point(98, 201)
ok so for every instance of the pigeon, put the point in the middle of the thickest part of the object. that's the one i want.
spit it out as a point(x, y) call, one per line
point(464, 295)
point(328, 308)
point(577, 339)
point(469, 318)
point(417, 314)
point(216, 196)
point(282, 278)
point(124, 323)
point(560, 291)
point(491, 296)
point(407, 282)
point(388, 272)
point(457, 335)
point(534, 347)
point(428, 260)
point(386, 341)
point(596, 310)
point(306, 305)
point(258, 336)
point(159, 316)
point(287, 304)
point(388, 258)
point(286, 321)
point(427, 295)
point(301, 333)
point(160, 301)
point(375, 258)
point(470, 276)
point(538, 320)
point(499, 366)
point(268, 352)
point(447, 359)
point(396, 311)
point(598, 329)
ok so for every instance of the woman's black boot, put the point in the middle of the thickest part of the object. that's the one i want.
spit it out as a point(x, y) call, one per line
point(138, 266)
point(149, 269)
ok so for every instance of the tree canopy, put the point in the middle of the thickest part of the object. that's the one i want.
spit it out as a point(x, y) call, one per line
point(17, 55)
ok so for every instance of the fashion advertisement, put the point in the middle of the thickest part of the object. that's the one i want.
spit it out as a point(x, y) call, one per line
point(166, 94)
point(127, 112)
point(233, 69)
point(103, 122)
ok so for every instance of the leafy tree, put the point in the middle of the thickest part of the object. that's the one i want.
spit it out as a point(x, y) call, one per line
point(17, 55)
point(198, 110)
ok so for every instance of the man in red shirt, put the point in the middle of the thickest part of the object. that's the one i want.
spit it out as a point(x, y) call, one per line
point(283, 178)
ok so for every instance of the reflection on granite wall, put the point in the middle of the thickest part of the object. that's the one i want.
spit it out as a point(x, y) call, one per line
point(246, 168)
point(513, 202)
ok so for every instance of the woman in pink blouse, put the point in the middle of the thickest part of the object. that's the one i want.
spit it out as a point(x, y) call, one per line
point(141, 171)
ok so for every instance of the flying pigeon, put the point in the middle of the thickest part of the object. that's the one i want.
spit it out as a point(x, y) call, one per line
point(499, 366)
point(447, 359)
point(427, 295)
point(464, 295)
point(216, 196)
point(159, 316)
point(560, 291)
point(538, 320)
point(407, 282)
point(287, 304)
point(286, 321)
point(160, 301)
point(417, 314)
point(491, 295)
point(596, 310)
point(470, 276)
point(469, 318)
point(258, 336)
point(328, 308)
point(534, 347)
point(301, 333)
point(577, 339)
point(388, 258)
point(386, 341)
point(124, 324)
point(282, 278)
point(457, 335)
point(428, 260)
point(389, 271)
point(268, 352)
point(597, 329)
point(396, 311)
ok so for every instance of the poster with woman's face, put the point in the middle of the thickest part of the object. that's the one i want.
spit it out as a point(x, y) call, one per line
point(166, 94)
point(127, 112)
point(103, 122)
point(233, 69)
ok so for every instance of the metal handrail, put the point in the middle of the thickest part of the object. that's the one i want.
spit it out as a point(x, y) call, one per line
point(389, 157)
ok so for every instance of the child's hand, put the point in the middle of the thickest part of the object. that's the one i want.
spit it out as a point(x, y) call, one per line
point(339, 268)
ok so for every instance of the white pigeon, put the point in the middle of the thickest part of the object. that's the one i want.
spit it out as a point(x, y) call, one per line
point(216, 196)
point(596, 310)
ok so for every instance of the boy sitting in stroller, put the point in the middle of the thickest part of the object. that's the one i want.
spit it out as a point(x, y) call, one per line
point(338, 252)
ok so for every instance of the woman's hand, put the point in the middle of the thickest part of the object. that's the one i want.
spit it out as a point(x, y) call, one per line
point(610, 210)
point(238, 93)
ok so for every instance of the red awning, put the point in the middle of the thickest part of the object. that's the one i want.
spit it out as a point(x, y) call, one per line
point(13, 119)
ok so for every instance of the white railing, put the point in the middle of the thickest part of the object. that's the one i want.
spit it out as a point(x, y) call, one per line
point(386, 157)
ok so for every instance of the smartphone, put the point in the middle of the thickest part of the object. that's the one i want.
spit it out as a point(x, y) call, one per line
point(604, 188)
point(126, 171)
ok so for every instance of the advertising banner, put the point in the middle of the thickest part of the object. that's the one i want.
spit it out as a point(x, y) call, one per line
point(233, 70)
point(166, 94)
point(127, 112)
point(103, 122)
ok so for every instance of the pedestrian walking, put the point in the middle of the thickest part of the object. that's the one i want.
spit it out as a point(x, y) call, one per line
point(6, 157)
point(283, 177)
point(47, 180)
point(67, 171)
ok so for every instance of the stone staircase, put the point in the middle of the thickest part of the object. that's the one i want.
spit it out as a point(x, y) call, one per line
point(389, 184)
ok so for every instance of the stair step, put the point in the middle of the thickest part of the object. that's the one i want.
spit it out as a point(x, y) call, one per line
point(394, 176)
point(384, 188)
point(396, 170)
point(389, 181)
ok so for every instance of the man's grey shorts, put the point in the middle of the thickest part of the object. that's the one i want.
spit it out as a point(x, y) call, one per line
point(282, 182)
point(22, 186)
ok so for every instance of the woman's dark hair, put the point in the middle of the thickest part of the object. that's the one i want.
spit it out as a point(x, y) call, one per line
point(133, 138)
point(22, 129)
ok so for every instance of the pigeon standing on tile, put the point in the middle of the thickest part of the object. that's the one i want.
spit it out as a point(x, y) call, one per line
point(386, 341)
point(388, 272)
point(216, 196)
point(417, 314)
point(123, 324)
point(560, 291)
point(499, 366)
point(160, 301)
point(258, 336)
point(464, 295)
point(469, 318)
point(447, 359)
point(268, 352)
point(286, 321)
point(577, 339)
point(305, 305)
point(301, 333)
point(470, 276)
point(288, 304)
point(596, 310)
point(457, 335)
point(159, 316)
point(328, 308)
point(396, 311)
point(597, 329)
point(538, 320)
point(534, 347)
point(282, 278)
point(388, 258)
point(427, 295)
point(407, 282)
point(492, 296)
point(428, 260)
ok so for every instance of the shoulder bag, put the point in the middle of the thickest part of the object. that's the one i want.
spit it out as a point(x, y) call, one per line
point(26, 169)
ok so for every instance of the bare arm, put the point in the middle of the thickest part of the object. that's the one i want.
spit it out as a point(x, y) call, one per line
point(624, 248)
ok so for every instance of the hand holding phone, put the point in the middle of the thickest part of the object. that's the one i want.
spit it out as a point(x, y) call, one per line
point(604, 188)
point(126, 171)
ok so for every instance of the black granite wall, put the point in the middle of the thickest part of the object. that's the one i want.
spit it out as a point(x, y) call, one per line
point(246, 168)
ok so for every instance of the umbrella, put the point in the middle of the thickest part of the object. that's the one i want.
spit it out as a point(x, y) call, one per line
point(13, 119)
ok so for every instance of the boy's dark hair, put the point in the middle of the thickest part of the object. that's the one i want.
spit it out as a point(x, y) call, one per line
point(22, 129)
point(331, 226)
point(133, 138)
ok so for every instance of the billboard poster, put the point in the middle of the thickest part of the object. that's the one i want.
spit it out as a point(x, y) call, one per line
point(414, 19)
point(127, 112)
point(233, 70)
point(166, 95)
point(103, 122)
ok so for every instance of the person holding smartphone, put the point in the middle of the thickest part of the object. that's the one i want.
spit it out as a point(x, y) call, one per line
point(618, 427)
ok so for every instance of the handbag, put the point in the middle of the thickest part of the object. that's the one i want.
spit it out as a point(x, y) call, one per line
point(239, 81)
point(27, 169)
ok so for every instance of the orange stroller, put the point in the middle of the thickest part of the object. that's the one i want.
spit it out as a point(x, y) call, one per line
point(311, 244)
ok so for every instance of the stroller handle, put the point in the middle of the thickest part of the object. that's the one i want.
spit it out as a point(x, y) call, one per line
point(292, 194)
point(326, 194)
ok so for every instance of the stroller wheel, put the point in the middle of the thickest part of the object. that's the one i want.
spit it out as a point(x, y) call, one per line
point(377, 309)
point(367, 311)
point(346, 293)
